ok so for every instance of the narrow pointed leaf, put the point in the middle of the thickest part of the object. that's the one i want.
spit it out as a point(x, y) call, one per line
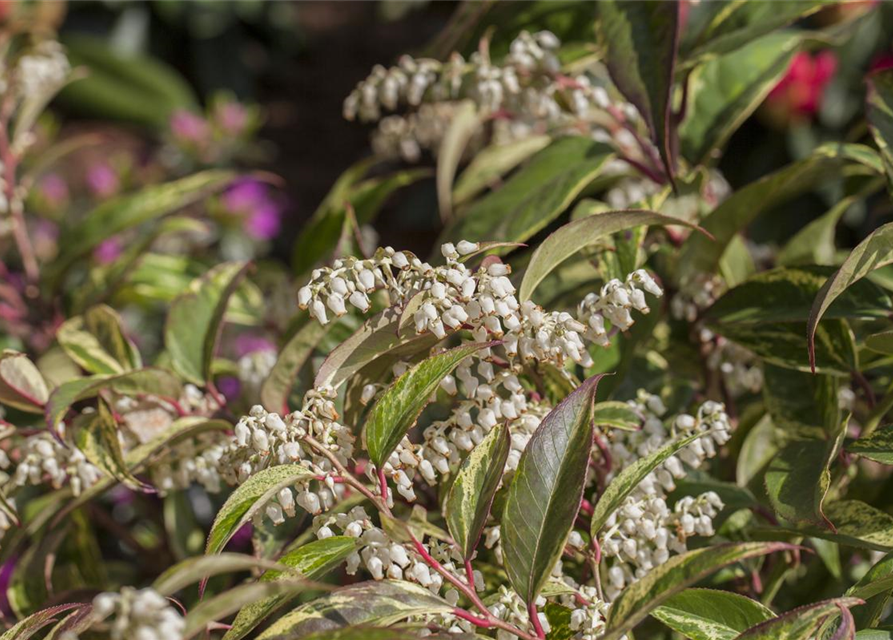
point(640, 41)
point(251, 496)
point(464, 123)
point(668, 579)
point(492, 163)
point(710, 614)
point(875, 588)
point(401, 404)
point(572, 237)
point(628, 479)
point(311, 561)
point(801, 623)
point(193, 570)
point(31, 625)
point(474, 488)
point(195, 318)
point(547, 490)
point(874, 252)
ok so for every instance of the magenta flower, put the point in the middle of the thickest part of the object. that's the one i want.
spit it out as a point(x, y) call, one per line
point(250, 200)
point(5, 576)
point(230, 387)
point(54, 190)
point(232, 117)
point(102, 180)
point(247, 343)
point(188, 127)
point(108, 251)
point(800, 91)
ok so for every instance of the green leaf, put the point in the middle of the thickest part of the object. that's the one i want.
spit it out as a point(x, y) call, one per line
point(814, 243)
point(627, 480)
point(801, 404)
point(875, 588)
point(725, 91)
point(379, 603)
point(400, 405)
point(143, 382)
point(881, 342)
point(786, 294)
point(96, 341)
point(21, 385)
point(546, 491)
point(572, 237)
point(131, 87)
point(294, 354)
point(377, 336)
point(700, 254)
point(617, 415)
point(878, 446)
point(195, 318)
point(490, 164)
point(879, 111)
point(193, 570)
point(668, 579)
point(377, 633)
point(126, 211)
point(31, 625)
point(96, 435)
point(872, 253)
point(709, 614)
point(640, 41)
point(781, 343)
point(801, 623)
point(321, 234)
point(717, 28)
point(312, 561)
point(535, 195)
point(798, 479)
point(858, 525)
point(471, 495)
point(464, 123)
point(251, 496)
point(235, 599)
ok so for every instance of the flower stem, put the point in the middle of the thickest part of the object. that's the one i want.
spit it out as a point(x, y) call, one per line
point(535, 619)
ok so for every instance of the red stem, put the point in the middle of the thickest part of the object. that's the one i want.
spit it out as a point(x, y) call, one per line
point(383, 485)
point(535, 620)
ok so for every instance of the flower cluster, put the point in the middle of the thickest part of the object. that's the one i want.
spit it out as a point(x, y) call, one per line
point(142, 614)
point(43, 457)
point(528, 91)
point(645, 531)
point(42, 70)
point(192, 460)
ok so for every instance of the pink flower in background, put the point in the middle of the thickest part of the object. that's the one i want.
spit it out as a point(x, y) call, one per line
point(5, 576)
point(102, 180)
point(108, 251)
point(247, 343)
point(230, 387)
point(54, 190)
point(232, 117)
point(188, 127)
point(251, 201)
point(799, 93)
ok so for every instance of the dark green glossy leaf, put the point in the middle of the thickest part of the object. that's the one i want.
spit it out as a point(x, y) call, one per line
point(472, 492)
point(400, 405)
point(668, 579)
point(640, 41)
point(195, 318)
point(572, 237)
point(872, 253)
point(875, 588)
point(535, 195)
point(546, 491)
point(801, 404)
point(709, 614)
point(878, 446)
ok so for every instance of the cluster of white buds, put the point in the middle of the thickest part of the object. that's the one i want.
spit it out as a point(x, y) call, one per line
point(192, 460)
point(139, 614)
point(526, 89)
point(739, 367)
point(509, 607)
point(695, 295)
point(644, 531)
point(263, 439)
point(43, 70)
point(587, 618)
point(453, 296)
point(408, 136)
point(254, 368)
point(43, 457)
